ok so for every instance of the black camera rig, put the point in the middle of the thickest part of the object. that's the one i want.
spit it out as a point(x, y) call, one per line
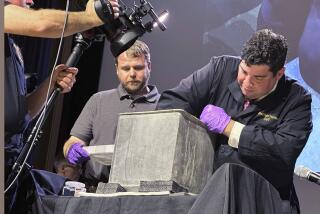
point(123, 31)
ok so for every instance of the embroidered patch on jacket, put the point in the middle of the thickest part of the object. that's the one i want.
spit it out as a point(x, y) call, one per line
point(267, 117)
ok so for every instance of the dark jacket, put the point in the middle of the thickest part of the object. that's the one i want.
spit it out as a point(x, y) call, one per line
point(16, 115)
point(277, 127)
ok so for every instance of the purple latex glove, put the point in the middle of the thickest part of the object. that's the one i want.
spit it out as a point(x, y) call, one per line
point(76, 154)
point(215, 118)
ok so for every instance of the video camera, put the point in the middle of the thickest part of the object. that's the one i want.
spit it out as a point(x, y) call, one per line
point(123, 31)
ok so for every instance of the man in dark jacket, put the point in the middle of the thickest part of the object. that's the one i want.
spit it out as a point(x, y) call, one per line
point(262, 119)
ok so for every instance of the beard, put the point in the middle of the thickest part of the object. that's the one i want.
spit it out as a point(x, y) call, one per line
point(134, 87)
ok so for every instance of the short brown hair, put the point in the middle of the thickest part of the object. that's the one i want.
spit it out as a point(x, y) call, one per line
point(138, 49)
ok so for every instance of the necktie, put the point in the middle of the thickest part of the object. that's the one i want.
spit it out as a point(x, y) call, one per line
point(246, 104)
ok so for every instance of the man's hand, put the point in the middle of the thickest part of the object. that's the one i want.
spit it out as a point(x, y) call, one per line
point(65, 77)
point(215, 118)
point(76, 154)
point(90, 11)
point(115, 7)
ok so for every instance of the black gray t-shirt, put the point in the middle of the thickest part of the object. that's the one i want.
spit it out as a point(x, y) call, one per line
point(97, 122)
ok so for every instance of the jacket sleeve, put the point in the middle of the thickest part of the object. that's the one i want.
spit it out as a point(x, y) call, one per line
point(193, 92)
point(281, 147)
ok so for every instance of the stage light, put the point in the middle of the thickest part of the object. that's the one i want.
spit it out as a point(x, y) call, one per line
point(162, 18)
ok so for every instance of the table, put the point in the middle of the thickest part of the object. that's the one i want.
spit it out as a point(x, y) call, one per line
point(165, 204)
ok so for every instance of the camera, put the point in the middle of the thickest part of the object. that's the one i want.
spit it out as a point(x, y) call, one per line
point(123, 31)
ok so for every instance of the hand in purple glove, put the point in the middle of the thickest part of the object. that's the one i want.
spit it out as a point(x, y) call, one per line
point(215, 118)
point(76, 154)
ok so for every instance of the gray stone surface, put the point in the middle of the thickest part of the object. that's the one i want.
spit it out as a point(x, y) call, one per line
point(162, 146)
point(106, 188)
point(159, 186)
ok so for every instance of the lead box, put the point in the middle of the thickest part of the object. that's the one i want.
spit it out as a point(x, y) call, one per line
point(166, 145)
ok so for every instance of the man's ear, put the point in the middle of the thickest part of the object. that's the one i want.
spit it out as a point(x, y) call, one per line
point(149, 66)
point(116, 66)
point(280, 73)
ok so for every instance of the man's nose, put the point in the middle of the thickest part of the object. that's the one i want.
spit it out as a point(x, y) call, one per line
point(248, 81)
point(132, 73)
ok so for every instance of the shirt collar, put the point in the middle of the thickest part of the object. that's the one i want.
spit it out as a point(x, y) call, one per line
point(151, 97)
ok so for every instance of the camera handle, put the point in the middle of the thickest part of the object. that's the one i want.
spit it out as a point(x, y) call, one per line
point(104, 10)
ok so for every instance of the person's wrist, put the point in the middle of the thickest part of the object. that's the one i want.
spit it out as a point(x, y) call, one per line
point(92, 15)
point(227, 130)
point(67, 146)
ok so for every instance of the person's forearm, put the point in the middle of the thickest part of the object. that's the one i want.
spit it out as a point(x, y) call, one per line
point(36, 99)
point(62, 76)
point(46, 22)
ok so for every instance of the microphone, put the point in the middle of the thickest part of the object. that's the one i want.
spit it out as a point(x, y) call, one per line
point(306, 173)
